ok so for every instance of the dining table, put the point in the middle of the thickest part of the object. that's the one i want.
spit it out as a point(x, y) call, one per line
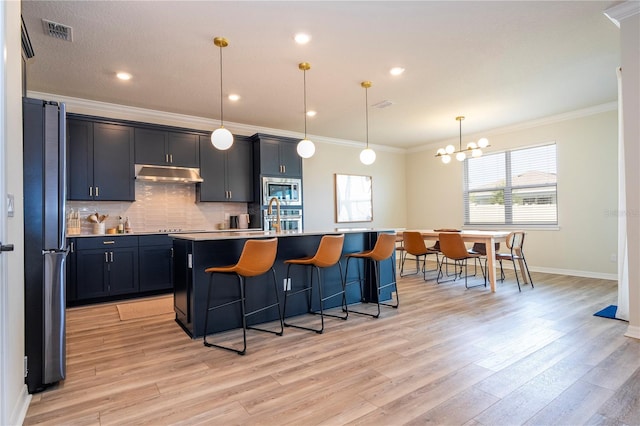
point(489, 238)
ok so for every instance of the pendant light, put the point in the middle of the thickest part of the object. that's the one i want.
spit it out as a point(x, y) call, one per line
point(221, 138)
point(305, 147)
point(474, 148)
point(367, 155)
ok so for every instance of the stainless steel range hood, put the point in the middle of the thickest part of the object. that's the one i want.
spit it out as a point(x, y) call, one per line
point(172, 174)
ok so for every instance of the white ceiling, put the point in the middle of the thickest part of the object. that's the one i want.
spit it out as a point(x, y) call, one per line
point(497, 63)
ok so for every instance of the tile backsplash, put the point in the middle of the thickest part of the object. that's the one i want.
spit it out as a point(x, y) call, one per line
point(159, 206)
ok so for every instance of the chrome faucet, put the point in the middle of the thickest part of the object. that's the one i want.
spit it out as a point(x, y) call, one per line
point(276, 226)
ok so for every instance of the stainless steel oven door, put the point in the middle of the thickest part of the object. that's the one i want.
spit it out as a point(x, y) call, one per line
point(288, 222)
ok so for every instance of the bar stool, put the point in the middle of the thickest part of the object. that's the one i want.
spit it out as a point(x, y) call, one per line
point(327, 255)
point(256, 259)
point(383, 250)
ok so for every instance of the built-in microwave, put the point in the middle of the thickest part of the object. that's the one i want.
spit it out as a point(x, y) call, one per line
point(287, 190)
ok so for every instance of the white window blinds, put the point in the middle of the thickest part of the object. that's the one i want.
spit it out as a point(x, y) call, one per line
point(516, 187)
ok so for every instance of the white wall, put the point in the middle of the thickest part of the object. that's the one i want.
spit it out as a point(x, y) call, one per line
point(388, 182)
point(15, 397)
point(587, 193)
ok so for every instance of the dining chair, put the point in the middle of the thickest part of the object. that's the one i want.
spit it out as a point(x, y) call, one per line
point(515, 242)
point(452, 247)
point(481, 249)
point(414, 245)
point(256, 259)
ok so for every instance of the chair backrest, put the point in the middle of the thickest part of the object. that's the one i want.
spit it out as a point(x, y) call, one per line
point(257, 257)
point(482, 248)
point(329, 251)
point(384, 248)
point(452, 245)
point(515, 240)
point(414, 243)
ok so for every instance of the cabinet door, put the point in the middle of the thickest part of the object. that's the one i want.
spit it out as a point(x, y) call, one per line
point(113, 174)
point(212, 170)
point(92, 275)
point(270, 157)
point(151, 147)
point(156, 267)
point(184, 150)
point(123, 270)
point(79, 159)
point(239, 167)
point(72, 281)
point(290, 160)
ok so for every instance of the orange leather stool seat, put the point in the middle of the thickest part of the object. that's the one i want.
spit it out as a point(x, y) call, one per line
point(382, 250)
point(327, 255)
point(256, 259)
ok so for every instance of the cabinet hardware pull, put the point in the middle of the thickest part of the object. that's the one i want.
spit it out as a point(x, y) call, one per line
point(111, 257)
point(171, 158)
point(97, 191)
point(106, 257)
point(71, 247)
point(230, 194)
point(166, 158)
point(171, 249)
point(91, 191)
point(108, 242)
point(284, 168)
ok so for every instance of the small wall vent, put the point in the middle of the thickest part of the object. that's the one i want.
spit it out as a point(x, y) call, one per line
point(56, 30)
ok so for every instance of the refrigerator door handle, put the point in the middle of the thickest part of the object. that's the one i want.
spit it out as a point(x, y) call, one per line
point(62, 174)
point(54, 366)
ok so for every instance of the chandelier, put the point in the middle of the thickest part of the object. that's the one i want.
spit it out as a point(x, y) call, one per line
point(474, 149)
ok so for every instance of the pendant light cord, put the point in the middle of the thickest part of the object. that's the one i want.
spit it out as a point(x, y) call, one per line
point(366, 113)
point(304, 82)
point(221, 110)
point(460, 140)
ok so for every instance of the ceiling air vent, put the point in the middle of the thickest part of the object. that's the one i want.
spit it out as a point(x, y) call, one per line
point(382, 104)
point(56, 30)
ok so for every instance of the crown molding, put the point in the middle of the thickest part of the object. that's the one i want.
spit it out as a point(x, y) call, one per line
point(124, 112)
point(622, 11)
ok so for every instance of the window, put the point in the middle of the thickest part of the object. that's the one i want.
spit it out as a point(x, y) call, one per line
point(517, 187)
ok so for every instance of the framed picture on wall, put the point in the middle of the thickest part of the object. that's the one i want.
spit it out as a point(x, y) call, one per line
point(354, 201)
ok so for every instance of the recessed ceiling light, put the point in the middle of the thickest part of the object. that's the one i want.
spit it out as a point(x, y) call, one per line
point(123, 76)
point(311, 113)
point(396, 70)
point(302, 38)
point(234, 98)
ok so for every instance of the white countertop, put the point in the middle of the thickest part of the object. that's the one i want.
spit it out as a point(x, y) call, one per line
point(225, 231)
point(210, 236)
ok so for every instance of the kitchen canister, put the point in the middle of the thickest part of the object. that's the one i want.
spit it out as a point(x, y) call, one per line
point(99, 228)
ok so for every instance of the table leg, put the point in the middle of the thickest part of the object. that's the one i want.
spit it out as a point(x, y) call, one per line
point(491, 257)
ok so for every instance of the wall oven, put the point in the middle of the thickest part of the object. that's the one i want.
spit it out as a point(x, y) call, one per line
point(287, 190)
point(290, 219)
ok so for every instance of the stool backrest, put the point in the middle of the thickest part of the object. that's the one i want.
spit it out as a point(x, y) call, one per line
point(329, 251)
point(257, 257)
point(452, 245)
point(384, 248)
point(414, 243)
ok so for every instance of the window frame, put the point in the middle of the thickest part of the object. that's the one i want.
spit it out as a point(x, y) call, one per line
point(508, 190)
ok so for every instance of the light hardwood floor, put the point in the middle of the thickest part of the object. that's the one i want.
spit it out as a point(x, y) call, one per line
point(447, 356)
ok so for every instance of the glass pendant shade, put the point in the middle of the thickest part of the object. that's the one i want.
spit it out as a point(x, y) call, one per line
point(221, 138)
point(446, 159)
point(367, 156)
point(460, 156)
point(306, 148)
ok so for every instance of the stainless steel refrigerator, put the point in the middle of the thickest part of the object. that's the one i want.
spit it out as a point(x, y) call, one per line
point(44, 142)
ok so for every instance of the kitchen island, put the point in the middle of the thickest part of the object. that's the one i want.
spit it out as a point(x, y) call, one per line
point(195, 252)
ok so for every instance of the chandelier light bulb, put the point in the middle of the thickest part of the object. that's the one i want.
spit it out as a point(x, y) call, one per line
point(446, 159)
point(306, 148)
point(441, 151)
point(483, 143)
point(472, 145)
point(460, 156)
point(450, 149)
point(221, 138)
point(477, 152)
point(367, 156)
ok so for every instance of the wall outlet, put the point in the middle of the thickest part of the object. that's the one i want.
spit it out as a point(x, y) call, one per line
point(286, 284)
point(613, 257)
